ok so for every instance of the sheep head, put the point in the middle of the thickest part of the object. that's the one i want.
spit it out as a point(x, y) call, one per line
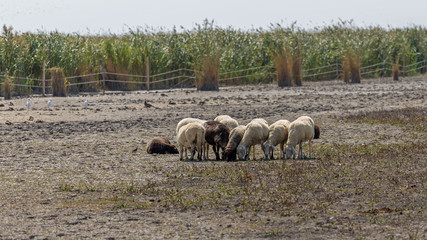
point(229, 154)
point(241, 152)
point(173, 149)
point(316, 132)
point(267, 148)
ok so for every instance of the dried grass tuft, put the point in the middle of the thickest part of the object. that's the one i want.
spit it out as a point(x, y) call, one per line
point(395, 70)
point(58, 82)
point(283, 64)
point(351, 68)
point(207, 76)
point(7, 89)
point(297, 70)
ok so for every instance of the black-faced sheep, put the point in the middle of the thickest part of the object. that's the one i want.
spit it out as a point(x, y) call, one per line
point(216, 135)
point(300, 131)
point(316, 131)
point(235, 137)
point(191, 136)
point(161, 145)
point(277, 135)
point(256, 132)
point(228, 121)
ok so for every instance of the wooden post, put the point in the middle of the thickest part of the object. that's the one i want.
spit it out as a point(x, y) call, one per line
point(147, 73)
point(103, 76)
point(44, 78)
point(403, 63)
point(383, 73)
point(425, 70)
point(336, 65)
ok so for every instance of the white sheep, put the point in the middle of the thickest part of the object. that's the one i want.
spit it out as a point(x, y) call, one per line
point(191, 135)
point(300, 131)
point(277, 135)
point(227, 121)
point(184, 122)
point(256, 132)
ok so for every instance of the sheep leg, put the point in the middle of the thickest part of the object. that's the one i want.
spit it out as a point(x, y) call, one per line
point(192, 153)
point(300, 155)
point(281, 153)
point(199, 151)
point(309, 149)
point(181, 148)
point(216, 151)
point(272, 154)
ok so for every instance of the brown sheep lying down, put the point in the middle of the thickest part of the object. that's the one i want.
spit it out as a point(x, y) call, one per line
point(161, 145)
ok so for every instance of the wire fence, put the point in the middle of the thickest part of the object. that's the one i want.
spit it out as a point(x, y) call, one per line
point(186, 78)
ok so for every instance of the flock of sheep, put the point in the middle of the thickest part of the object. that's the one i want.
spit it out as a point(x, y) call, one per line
point(234, 140)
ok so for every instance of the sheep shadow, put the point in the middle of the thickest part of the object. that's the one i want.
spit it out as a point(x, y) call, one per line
point(251, 160)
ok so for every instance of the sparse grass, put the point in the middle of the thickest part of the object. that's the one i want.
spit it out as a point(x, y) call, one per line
point(369, 182)
point(412, 117)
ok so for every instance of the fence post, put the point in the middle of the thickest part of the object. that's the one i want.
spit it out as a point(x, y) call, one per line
point(147, 72)
point(425, 70)
point(404, 63)
point(103, 76)
point(44, 78)
point(336, 64)
point(383, 73)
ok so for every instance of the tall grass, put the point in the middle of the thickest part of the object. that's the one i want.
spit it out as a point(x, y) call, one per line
point(22, 54)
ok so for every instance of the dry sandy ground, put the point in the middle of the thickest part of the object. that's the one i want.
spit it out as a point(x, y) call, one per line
point(42, 150)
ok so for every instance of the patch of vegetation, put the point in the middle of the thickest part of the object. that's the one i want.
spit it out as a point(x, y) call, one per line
point(415, 117)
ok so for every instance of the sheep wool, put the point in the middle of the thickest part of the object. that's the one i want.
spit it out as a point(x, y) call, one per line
point(227, 121)
point(236, 136)
point(277, 135)
point(301, 130)
point(191, 136)
point(256, 132)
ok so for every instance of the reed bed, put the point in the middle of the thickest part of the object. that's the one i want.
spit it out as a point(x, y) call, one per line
point(22, 54)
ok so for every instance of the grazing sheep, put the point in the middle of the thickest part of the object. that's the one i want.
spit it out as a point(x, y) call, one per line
point(256, 132)
point(300, 131)
point(277, 135)
point(184, 122)
point(217, 136)
point(191, 136)
point(227, 120)
point(161, 145)
point(236, 136)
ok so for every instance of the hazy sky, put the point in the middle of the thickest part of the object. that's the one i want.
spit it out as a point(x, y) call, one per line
point(96, 16)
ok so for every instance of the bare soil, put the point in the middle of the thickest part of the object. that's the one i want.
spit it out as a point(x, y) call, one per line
point(73, 172)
